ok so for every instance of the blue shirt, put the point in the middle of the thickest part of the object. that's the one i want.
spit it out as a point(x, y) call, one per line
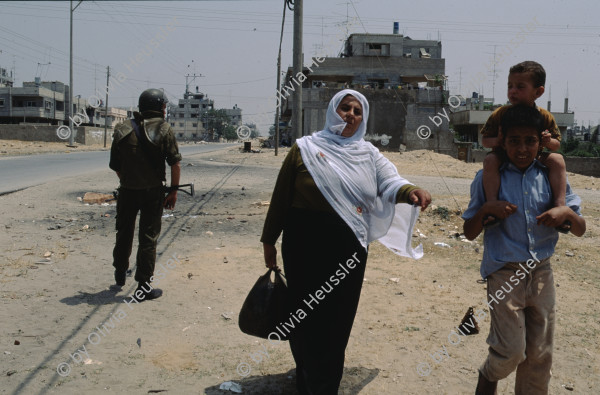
point(518, 237)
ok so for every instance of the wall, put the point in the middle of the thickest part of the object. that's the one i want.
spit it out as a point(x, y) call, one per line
point(85, 134)
point(584, 166)
point(440, 140)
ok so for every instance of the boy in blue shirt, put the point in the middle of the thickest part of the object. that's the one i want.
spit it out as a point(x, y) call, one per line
point(516, 257)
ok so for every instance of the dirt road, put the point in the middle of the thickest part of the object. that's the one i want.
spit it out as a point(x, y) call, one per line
point(62, 312)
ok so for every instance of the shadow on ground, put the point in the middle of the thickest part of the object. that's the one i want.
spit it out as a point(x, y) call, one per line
point(353, 381)
point(106, 296)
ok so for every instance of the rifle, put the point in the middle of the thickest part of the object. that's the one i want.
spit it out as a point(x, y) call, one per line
point(167, 190)
point(181, 188)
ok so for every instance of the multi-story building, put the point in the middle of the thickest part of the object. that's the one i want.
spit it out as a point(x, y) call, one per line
point(189, 117)
point(185, 117)
point(115, 116)
point(235, 114)
point(38, 102)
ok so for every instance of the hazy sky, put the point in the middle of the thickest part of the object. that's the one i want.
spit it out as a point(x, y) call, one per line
point(233, 45)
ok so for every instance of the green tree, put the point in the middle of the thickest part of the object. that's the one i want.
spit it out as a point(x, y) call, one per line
point(569, 145)
point(230, 132)
point(217, 122)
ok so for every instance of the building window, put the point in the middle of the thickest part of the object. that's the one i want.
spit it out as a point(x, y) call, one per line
point(180, 135)
point(194, 125)
point(180, 124)
point(374, 49)
point(195, 105)
point(31, 104)
point(194, 115)
point(181, 115)
point(181, 105)
point(1, 102)
point(204, 106)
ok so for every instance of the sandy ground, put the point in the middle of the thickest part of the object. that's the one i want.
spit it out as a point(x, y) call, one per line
point(57, 303)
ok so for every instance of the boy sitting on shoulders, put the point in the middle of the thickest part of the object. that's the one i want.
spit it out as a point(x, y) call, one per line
point(525, 84)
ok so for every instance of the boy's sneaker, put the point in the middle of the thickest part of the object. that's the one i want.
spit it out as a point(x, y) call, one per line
point(120, 278)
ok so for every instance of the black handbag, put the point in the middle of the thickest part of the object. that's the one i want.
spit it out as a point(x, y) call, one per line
point(265, 307)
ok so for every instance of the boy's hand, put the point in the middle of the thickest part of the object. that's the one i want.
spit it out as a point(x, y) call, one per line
point(493, 142)
point(546, 138)
point(554, 217)
point(499, 138)
point(500, 209)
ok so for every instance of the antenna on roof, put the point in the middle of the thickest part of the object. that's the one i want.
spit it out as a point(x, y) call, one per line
point(40, 69)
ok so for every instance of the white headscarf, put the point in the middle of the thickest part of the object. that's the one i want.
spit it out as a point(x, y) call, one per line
point(355, 178)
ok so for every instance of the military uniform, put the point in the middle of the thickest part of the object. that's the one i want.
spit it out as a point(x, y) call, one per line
point(142, 171)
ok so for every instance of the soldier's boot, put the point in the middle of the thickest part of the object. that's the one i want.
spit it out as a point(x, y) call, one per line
point(141, 293)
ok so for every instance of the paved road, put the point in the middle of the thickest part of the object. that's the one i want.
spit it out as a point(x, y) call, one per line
point(20, 172)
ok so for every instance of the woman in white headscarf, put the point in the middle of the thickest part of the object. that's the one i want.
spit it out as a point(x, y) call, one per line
point(335, 193)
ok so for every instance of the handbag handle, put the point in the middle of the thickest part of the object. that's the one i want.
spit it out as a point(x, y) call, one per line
point(278, 273)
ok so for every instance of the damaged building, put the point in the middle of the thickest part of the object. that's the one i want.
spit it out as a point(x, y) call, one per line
point(402, 78)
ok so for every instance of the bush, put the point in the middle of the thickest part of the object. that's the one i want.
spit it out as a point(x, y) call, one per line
point(443, 212)
point(581, 153)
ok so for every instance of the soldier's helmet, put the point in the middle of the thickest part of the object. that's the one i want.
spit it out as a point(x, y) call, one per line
point(152, 100)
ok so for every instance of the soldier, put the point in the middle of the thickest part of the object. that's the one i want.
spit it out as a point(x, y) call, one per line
point(139, 149)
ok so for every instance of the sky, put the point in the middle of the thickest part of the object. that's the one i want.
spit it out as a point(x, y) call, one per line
point(232, 46)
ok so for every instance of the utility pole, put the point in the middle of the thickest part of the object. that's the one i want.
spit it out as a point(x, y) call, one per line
point(494, 80)
point(71, 135)
point(106, 106)
point(278, 106)
point(54, 103)
point(297, 67)
point(187, 85)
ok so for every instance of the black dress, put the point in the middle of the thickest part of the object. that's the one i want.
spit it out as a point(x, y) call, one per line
point(324, 263)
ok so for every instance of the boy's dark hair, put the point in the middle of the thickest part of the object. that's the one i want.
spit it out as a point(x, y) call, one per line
point(522, 115)
point(536, 69)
